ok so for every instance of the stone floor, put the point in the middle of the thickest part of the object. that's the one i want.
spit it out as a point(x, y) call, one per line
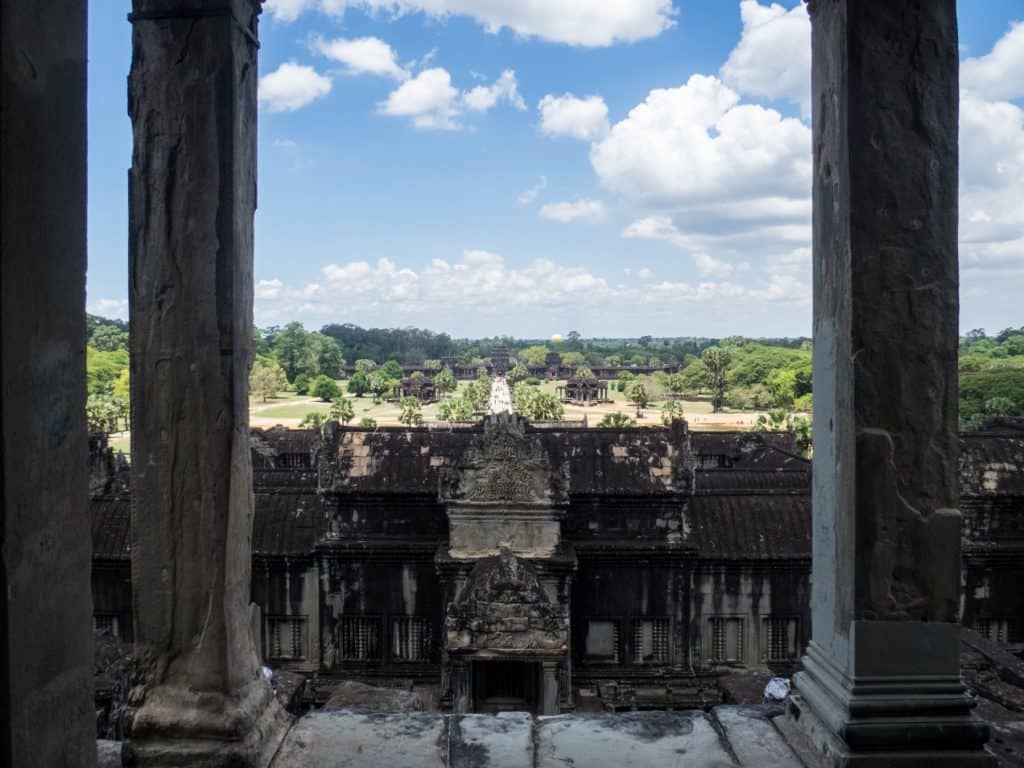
point(727, 737)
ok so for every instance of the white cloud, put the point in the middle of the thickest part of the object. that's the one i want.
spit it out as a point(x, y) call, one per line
point(292, 86)
point(527, 196)
point(363, 55)
point(481, 289)
point(110, 308)
point(288, 10)
point(662, 228)
point(567, 115)
point(269, 289)
point(483, 97)
point(1000, 73)
point(589, 24)
point(433, 102)
point(773, 57)
point(429, 99)
point(585, 210)
point(696, 143)
point(710, 175)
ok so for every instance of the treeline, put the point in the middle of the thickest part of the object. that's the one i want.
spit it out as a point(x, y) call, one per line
point(750, 374)
point(991, 375)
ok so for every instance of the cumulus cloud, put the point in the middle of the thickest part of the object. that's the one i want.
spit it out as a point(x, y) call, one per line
point(363, 56)
point(718, 178)
point(577, 210)
point(567, 115)
point(292, 86)
point(481, 283)
point(991, 184)
point(110, 308)
point(527, 196)
point(773, 57)
point(696, 143)
point(483, 97)
point(589, 24)
point(662, 228)
point(998, 75)
point(269, 289)
point(429, 99)
point(432, 102)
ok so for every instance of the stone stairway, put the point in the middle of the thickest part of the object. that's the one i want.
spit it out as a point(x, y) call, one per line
point(726, 737)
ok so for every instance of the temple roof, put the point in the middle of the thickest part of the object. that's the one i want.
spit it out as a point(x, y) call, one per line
point(750, 527)
point(637, 461)
point(286, 522)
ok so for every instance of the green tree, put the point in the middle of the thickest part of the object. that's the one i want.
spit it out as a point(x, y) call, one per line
point(108, 338)
point(584, 372)
point(410, 411)
point(639, 397)
point(716, 360)
point(535, 405)
point(455, 409)
point(365, 366)
point(445, 381)
point(292, 350)
point(392, 369)
point(325, 388)
point(671, 411)
point(359, 384)
point(381, 384)
point(518, 373)
point(534, 355)
point(301, 384)
point(782, 383)
point(675, 383)
point(324, 356)
point(624, 380)
point(266, 380)
point(102, 412)
point(1000, 407)
point(573, 358)
point(342, 410)
point(616, 420)
point(367, 423)
point(773, 421)
point(314, 420)
point(122, 386)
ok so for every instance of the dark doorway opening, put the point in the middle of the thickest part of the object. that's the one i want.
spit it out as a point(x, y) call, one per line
point(506, 686)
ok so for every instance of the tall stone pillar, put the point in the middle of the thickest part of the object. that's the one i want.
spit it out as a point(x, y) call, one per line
point(881, 684)
point(549, 688)
point(192, 100)
point(47, 710)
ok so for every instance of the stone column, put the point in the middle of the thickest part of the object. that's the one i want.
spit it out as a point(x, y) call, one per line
point(47, 712)
point(549, 688)
point(192, 100)
point(882, 683)
point(462, 687)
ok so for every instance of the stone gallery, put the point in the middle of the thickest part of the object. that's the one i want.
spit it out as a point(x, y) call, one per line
point(588, 576)
point(515, 566)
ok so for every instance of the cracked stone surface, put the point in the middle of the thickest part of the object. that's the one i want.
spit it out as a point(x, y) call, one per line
point(730, 737)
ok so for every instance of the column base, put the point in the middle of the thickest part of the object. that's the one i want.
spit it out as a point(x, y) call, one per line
point(177, 727)
point(889, 719)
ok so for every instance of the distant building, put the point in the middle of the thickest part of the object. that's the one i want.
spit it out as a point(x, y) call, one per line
point(583, 390)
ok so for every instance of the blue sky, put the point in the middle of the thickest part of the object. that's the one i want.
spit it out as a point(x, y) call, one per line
point(485, 167)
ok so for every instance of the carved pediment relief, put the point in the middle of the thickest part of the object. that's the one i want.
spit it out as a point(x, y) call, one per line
point(504, 607)
point(505, 464)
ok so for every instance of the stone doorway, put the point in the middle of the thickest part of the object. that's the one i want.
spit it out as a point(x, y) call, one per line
point(506, 686)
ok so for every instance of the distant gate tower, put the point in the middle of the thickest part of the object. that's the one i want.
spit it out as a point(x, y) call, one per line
point(499, 360)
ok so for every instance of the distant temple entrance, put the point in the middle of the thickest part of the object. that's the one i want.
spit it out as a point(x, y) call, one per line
point(506, 686)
